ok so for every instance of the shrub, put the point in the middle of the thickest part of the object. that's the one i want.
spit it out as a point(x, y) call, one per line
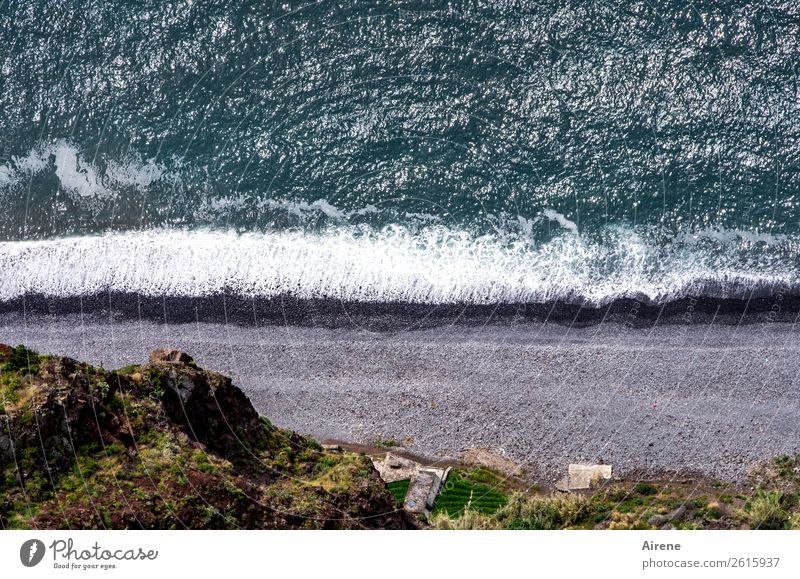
point(469, 520)
point(765, 511)
point(713, 510)
point(22, 360)
point(554, 512)
point(521, 512)
point(645, 489)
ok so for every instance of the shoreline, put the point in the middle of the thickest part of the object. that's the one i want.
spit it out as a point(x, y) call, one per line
point(777, 305)
point(705, 400)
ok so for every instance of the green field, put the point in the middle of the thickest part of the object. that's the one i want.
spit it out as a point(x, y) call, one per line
point(463, 487)
point(399, 488)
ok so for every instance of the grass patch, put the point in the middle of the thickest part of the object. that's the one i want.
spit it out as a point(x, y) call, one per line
point(10, 389)
point(555, 512)
point(765, 511)
point(461, 494)
point(645, 489)
point(202, 463)
point(522, 512)
point(128, 370)
point(22, 360)
point(787, 465)
point(399, 488)
point(337, 473)
point(484, 476)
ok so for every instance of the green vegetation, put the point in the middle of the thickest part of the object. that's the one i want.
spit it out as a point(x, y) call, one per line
point(788, 467)
point(521, 512)
point(337, 473)
point(399, 488)
point(22, 360)
point(645, 489)
point(775, 504)
point(483, 476)
point(14, 374)
point(154, 380)
point(462, 493)
point(765, 511)
point(137, 459)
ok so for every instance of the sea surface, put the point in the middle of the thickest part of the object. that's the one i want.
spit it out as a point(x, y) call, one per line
point(465, 152)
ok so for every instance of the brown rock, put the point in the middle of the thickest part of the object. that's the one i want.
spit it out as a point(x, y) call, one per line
point(5, 352)
point(208, 407)
point(167, 356)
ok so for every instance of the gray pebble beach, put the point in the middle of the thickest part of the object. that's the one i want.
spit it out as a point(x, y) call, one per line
point(672, 400)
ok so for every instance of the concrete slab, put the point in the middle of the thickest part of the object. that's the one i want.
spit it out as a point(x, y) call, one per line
point(584, 476)
point(393, 467)
point(424, 488)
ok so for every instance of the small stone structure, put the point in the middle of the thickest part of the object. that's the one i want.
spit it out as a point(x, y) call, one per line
point(425, 483)
point(393, 467)
point(424, 488)
point(583, 476)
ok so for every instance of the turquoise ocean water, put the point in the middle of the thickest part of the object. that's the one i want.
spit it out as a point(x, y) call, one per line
point(427, 152)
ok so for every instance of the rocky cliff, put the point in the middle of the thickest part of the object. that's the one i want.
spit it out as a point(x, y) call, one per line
point(165, 445)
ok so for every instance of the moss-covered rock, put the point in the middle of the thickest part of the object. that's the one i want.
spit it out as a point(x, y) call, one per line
point(165, 445)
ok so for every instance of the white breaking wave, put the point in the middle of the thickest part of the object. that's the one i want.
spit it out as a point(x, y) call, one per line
point(431, 265)
point(219, 207)
point(79, 176)
point(553, 215)
point(75, 174)
point(300, 208)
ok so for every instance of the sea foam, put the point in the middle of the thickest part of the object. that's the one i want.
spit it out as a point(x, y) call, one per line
point(429, 265)
point(78, 175)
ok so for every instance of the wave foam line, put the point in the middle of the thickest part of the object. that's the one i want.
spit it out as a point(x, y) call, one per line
point(432, 265)
point(79, 176)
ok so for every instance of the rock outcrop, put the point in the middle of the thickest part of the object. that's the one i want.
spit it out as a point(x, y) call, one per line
point(165, 445)
point(208, 407)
